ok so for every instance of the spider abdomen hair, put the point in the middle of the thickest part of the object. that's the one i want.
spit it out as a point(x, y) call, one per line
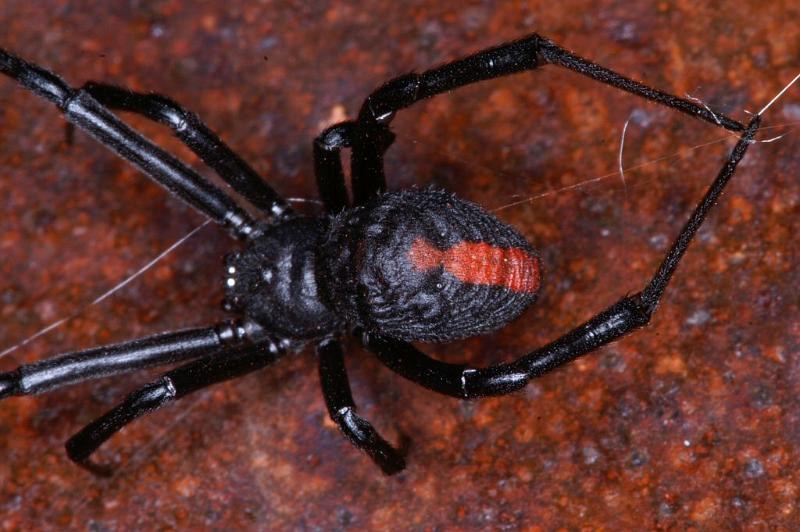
point(426, 265)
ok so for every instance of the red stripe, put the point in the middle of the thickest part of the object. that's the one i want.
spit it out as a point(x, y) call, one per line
point(480, 263)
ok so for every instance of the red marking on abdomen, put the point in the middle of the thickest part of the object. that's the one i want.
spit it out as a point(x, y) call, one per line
point(480, 263)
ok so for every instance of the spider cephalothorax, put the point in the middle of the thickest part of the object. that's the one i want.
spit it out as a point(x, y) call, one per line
point(393, 267)
point(273, 281)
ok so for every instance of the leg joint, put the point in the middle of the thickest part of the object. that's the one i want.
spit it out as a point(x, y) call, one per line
point(239, 332)
point(336, 137)
point(9, 383)
point(154, 106)
point(497, 380)
point(37, 79)
point(170, 113)
point(396, 94)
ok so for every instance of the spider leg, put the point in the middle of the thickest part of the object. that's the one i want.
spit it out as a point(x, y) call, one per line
point(367, 169)
point(81, 109)
point(106, 361)
point(628, 314)
point(188, 127)
point(328, 165)
point(342, 409)
point(371, 136)
point(369, 144)
point(175, 384)
point(517, 56)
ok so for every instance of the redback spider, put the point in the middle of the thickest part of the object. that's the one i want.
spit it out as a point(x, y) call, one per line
point(388, 267)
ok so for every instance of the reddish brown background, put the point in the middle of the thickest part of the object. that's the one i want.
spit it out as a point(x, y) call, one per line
point(690, 423)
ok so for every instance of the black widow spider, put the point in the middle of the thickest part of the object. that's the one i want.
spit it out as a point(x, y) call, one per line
point(392, 267)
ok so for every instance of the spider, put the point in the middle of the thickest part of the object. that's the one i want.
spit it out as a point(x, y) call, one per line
point(387, 267)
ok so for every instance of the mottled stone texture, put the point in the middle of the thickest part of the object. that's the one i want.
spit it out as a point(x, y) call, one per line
point(691, 423)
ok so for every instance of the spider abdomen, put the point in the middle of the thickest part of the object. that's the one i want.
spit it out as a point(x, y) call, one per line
point(426, 265)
